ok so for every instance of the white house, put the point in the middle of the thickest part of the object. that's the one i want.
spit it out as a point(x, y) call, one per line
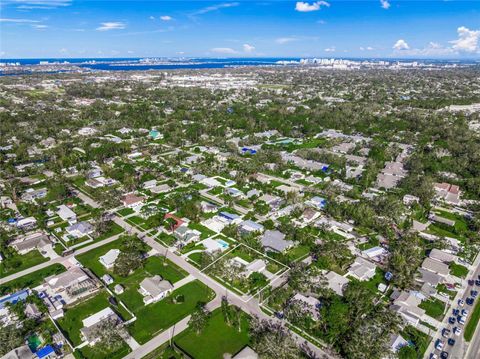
point(154, 289)
point(109, 258)
point(66, 214)
point(362, 269)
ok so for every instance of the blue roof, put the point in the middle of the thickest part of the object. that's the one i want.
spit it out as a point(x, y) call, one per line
point(45, 351)
point(14, 298)
point(228, 215)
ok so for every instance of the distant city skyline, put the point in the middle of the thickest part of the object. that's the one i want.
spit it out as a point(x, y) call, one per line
point(356, 29)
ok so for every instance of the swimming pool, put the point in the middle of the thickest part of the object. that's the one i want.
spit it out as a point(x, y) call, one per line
point(223, 244)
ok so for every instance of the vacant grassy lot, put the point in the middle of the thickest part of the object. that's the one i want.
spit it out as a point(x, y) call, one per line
point(154, 318)
point(20, 262)
point(31, 280)
point(216, 339)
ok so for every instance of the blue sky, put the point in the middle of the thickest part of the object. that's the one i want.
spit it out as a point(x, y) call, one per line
point(376, 28)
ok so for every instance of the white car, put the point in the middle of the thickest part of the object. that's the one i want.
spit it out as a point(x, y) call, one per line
point(461, 302)
point(439, 345)
point(462, 319)
point(457, 331)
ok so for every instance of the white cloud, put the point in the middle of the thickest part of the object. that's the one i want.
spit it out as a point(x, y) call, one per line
point(18, 21)
point(368, 48)
point(165, 18)
point(307, 7)
point(330, 49)
point(401, 45)
point(215, 7)
point(37, 4)
point(385, 4)
point(39, 27)
point(285, 40)
point(248, 48)
point(467, 40)
point(107, 26)
point(224, 50)
point(63, 51)
point(151, 17)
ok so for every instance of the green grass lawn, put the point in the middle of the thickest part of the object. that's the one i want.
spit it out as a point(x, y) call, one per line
point(216, 339)
point(458, 270)
point(433, 308)
point(418, 340)
point(90, 258)
point(31, 280)
point(153, 265)
point(298, 252)
point(125, 212)
point(205, 232)
point(472, 323)
point(112, 231)
point(156, 317)
point(71, 323)
point(88, 352)
point(20, 262)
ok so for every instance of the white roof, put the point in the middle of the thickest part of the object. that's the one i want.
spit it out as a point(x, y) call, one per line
point(65, 213)
point(110, 257)
point(97, 317)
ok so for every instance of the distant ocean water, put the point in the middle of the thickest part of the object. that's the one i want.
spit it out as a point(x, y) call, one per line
point(125, 64)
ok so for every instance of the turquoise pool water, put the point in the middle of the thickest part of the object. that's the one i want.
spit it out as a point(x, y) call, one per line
point(223, 244)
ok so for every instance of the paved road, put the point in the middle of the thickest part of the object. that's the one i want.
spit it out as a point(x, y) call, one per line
point(461, 347)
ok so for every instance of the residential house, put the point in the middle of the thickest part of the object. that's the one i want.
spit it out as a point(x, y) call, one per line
point(154, 289)
point(406, 304)
point(109, 258)
point(312, 304)
point(186, 235)
point(362, 269)
point(448, 192)
point(317, 202)
point(66, 214)
point(436, 267)
point(336, 282)
point(22, 352)
point(249, 227)
point(273, 240)
point(132, 201)
point(80, 229)
point(68, 286)
point(89, 332)
point(38, 240)
point(30, 194)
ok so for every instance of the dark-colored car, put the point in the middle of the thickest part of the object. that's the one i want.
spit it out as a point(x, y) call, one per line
point(456, 312)
point(451, 341)
point(469, 301)
point(477, 283)
point(474, 293)
point(471, 282)
point(444, 355)
point(445, 332)
point(452, 320)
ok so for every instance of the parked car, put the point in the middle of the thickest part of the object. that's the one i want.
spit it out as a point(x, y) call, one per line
point(433, 356)
point(465, 312)
point(469, 300)
point(456, 312)
point(471, 282)
point(457, 331)
point(477, 283)
point(474, 293)
point(445, 332)
point(444, 355)
point(451, 342)
point(462, 319)
point(439, 344)
point(461, 302)
point(451, 320)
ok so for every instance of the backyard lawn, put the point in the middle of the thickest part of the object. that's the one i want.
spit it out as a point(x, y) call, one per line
point(31, 280)
point(156, 317)
point(209, 344)
point(433, 308)
point(20, 262)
